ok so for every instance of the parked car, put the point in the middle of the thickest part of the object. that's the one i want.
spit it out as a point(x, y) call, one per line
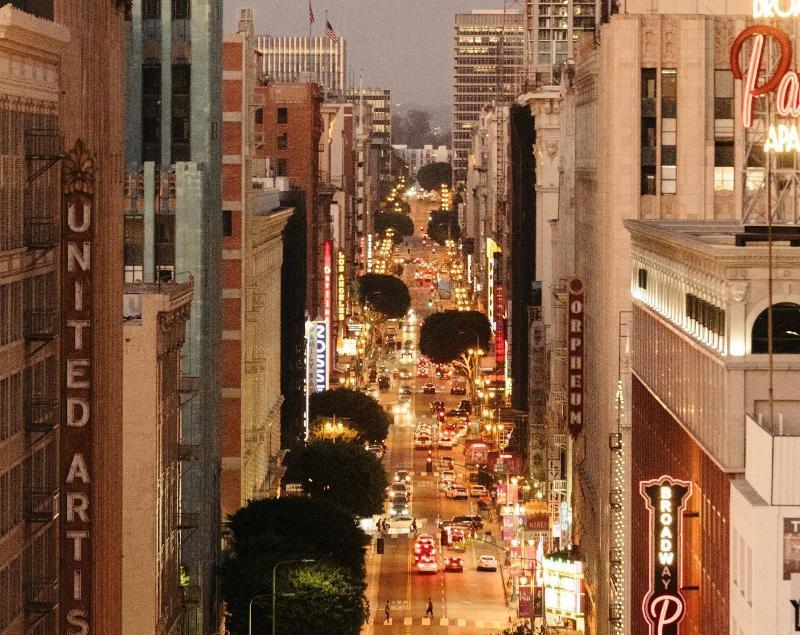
point(487, 563)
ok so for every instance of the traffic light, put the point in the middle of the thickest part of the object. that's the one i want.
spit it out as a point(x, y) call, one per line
point(429, 462)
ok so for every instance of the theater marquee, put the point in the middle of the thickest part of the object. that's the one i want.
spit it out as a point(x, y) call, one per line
point(77, 343)
point(664, 605)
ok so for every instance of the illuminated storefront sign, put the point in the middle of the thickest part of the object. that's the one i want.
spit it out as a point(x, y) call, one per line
point(327, 305)
point(369, 252)
point(776, 8)
point(77, 343)
point(321, 356)
point(575, 348)
point(664, 605)
point(491, 250)
point(564, 590)
point(499, 325)
point(341, 297)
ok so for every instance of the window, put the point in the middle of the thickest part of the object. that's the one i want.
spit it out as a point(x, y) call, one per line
point(283, 115)
point(11, 400)
point(282, 169)
point(642, 281)
point(151, 112)
point(11, 592)
point(134, 273)
point(648, 83)
point(723, 166)
point(10, 312)
point(181, 9)
point(10, 499)
point(151, 9)
point(705, 314)
point(669, 131)
point(227, 222)
point(785, 330)
point(723, 104)
point(259, 115)
point(283, 140)
point(181, 111)
point(649, 135)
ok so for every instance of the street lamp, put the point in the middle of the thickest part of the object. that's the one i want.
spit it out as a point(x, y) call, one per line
point(274, 582)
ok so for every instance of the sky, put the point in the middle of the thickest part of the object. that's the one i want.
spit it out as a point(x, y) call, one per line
point(406, 45)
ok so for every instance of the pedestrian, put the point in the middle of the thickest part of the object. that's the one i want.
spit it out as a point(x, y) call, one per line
point(386, 611)
point(414, 525)
point(429, 610)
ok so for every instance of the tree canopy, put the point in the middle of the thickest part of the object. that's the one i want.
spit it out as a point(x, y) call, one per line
point(385, 294)
point(362, 411)
point(401, 223)
point(443, 225)
point(433, 175)
point(268, 531)
point(343, 473)
point(324, 600)
point(446, 335)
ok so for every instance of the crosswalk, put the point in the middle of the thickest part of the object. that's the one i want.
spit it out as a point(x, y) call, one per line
point(439, 621)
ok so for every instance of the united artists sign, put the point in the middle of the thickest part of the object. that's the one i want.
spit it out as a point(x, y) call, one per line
point(77, 343)
point(575, 339)
point(664, 606)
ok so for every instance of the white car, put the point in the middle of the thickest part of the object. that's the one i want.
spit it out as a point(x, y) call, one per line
point(422, 443)
point(457, 492)
point(487, 563)
point(447, 475)
point(445, 443)
point(478, 491)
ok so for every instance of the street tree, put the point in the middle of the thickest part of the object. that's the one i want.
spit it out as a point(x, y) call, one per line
point(265, 532)
point(457, 337)
point(361, 412)
point(401, 223)
point(343, 473)
point(384, 296)
point(443, 226)
point(434, 175)
point(320, 599)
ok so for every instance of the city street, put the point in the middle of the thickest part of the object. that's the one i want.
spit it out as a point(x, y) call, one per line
point(468, 602)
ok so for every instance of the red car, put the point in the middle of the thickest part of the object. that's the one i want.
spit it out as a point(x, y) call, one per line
point(454, 564)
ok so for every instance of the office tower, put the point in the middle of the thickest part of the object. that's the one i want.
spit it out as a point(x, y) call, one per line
point(488, 64)
point(552, 29)
point(173, 229)
point(60, 518)
point(380, 100)
point(298, 58)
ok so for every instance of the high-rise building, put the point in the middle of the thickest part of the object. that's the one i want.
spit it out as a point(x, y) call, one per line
point(488, 64)
point(380, 99)
point(552, 31)
point(60, 442)
point(173, 227)
point(302, 58)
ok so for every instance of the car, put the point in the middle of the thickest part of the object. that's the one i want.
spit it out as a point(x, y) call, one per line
point(405, 373)
point(445, 443)
point(478, 490)
point(465, 405)
point(398, 510)
point(401, 407)
point(445, 462)
point(458, 388)
point(468, 519)
point(406, 357)
point(454, 564)
point(404, 390)
point(426, 564)
point(437, 405)
point(402, 476)
point(457, 492)
point(377, 449)
point(487, 563)
point(396, 488)
point(399, 498)
point(422, 443)
point(384, 382)
point(447, 475)
point(428, 389)
point(422, 372)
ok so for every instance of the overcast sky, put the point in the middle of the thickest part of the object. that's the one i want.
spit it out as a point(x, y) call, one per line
point(403, 44)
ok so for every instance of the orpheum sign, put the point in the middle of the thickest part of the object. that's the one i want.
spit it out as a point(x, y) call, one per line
point(76, 354)
point(664, 605)
point(575, 339)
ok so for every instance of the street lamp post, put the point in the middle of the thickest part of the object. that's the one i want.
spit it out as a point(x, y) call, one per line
point(250, 612)
point(274, 582)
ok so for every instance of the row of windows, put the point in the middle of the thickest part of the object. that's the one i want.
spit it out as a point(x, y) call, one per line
point(151, 9)
point(10, 499)
point(10, 312)
point(705, 314)
point(10, 406)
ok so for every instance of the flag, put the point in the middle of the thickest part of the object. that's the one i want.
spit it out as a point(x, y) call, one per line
point(310, 13)
point(330, 32)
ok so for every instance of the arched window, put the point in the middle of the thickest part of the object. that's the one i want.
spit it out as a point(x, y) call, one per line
point(786, 329)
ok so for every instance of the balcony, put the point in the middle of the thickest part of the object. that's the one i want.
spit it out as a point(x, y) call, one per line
point(40, 324)
point(40, 595)
point(41, 414)
point(40, 232)
point(39, 504)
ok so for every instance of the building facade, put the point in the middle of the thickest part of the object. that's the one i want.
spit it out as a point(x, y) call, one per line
point(173, 227)
point(380, 101)
point(290, 59)
point(488, 65)
point(154, 318)
point(416, 158)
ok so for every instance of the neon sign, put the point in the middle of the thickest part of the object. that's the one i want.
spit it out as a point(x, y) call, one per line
point(321, 356)
point(575, 348)
point(328, 270)
point(340, 286)
point(664, 606)
point(776, 8)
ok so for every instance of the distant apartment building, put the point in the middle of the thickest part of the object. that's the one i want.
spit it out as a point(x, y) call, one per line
point(552, 31)
point(488, 47)
point(380, 100)
point(252, 254)
point(416, 158)
point(60, 442)
point(173, 228)
point(366, 178)
point(289, 59)
point(154, 329)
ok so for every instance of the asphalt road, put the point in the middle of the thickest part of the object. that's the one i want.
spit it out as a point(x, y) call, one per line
point(467, 603)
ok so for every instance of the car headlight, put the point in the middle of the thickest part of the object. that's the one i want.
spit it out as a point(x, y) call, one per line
point(393, 512)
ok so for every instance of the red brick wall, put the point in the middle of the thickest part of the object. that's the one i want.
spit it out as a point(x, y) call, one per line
point(661, 446)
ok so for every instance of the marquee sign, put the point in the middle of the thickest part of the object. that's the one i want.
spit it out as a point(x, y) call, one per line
point(575, 351)
point(327, 305)
point(664, 605)
point(77, 335)
point(782, 86)
point(340, 286)
point(499, 325)
point(321, 355)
